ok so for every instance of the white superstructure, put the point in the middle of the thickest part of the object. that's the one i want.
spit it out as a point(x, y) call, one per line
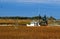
point(33, 23)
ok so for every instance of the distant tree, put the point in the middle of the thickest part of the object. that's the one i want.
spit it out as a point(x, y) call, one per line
point(40, 16)
point(45, 21)
point(52, 18)
point(45, 18)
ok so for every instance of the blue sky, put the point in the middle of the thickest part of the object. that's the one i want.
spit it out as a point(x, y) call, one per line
point(30, 8)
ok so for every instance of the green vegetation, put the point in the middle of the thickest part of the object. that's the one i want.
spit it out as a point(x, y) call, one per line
point(43, 20)
point(35, 17)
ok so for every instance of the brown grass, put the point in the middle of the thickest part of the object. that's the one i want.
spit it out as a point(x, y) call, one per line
point(23, 32)
point(15, 21)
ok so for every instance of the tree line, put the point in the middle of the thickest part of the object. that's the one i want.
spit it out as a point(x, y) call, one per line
point(34, 17)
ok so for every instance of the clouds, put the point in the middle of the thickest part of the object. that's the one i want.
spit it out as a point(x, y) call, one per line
point(54, 0)
point(33, 1)
point(8, 0)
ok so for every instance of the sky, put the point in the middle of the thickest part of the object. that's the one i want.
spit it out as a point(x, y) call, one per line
point(30, 8)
